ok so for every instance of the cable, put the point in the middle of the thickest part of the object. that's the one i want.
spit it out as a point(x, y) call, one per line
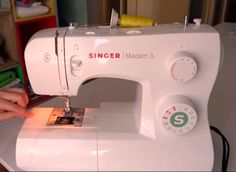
point(226, 148)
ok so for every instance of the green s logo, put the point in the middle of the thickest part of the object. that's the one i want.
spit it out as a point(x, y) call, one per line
point(179, 119)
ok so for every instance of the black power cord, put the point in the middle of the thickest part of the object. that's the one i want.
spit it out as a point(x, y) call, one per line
point(226, 148)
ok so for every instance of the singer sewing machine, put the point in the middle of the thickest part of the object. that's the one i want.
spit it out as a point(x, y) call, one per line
point(166, 128)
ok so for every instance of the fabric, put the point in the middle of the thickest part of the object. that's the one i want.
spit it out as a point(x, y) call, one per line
point(31, 11)
point(6, 78)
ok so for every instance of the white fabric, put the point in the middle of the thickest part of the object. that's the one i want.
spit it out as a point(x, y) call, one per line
point(31, 11)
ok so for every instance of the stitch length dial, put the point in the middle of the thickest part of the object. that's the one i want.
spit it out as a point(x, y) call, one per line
point(182, 67)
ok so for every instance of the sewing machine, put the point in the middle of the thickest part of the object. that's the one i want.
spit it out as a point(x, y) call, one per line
point(165, 128)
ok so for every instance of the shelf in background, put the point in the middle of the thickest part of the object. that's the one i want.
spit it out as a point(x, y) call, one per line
point(5, 6)
point(48, 3)
point(32, 18)
point(4, 9)
point(9, 64)
point(9, 48)
point(16, 32)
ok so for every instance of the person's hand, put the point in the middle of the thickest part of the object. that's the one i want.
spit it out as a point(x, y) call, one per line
point(13, 102)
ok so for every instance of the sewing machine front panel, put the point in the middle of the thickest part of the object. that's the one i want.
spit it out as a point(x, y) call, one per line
point(43, 63)
point(175, 68)
point(74, 56)
point(142, 58)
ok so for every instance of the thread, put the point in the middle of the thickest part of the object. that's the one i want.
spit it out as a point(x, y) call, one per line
point(133, 21)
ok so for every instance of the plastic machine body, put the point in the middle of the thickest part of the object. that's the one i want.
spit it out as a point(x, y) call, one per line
point(167, 127)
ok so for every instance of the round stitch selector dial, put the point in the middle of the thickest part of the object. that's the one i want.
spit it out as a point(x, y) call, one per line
point(182, 67)
point(179, 116)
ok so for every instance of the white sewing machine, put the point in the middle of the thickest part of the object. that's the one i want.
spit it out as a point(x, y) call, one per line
point(166, 128)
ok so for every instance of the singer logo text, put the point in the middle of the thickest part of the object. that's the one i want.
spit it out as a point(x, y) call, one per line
point(105, 55)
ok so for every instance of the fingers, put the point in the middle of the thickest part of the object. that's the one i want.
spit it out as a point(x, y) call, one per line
point(18, 96)
point(12, 107)
point(20, 91)
point(13, 102)
point(11, 110)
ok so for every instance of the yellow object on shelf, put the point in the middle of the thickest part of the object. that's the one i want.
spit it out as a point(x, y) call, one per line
point(127, 21)
point(133, 21)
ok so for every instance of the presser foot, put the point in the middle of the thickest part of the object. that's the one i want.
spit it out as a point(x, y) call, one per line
point(68, 113)
point(59, 117)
